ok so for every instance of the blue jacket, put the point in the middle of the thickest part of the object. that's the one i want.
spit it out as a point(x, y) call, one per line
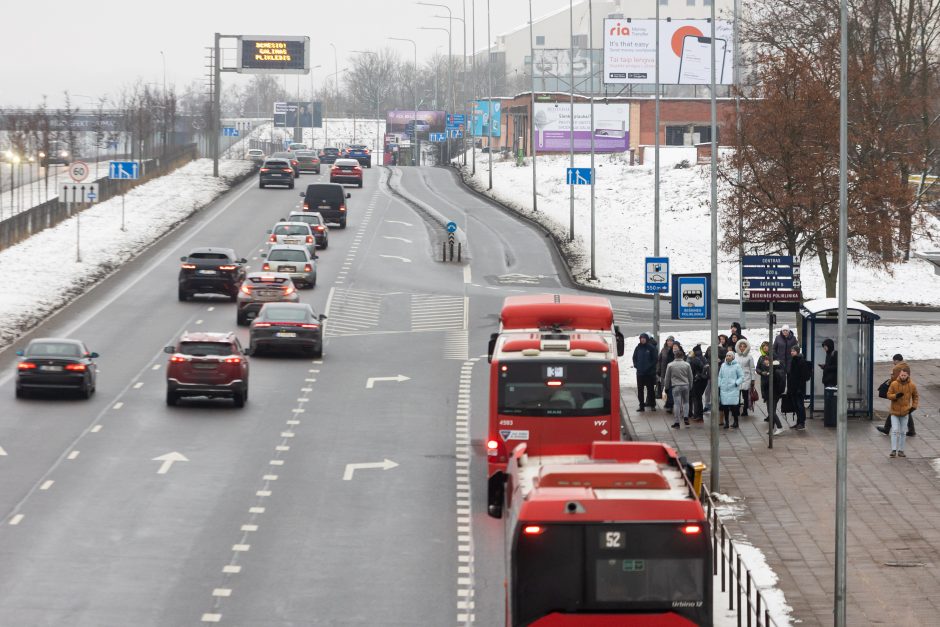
point(644, 358)
point(730, 377)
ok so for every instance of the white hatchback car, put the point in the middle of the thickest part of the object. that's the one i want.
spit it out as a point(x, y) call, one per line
point(294, 234)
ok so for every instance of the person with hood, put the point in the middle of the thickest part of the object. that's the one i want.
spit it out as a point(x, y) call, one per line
point(904, 399)
point(899, 365)
point(763, 371)
point(799, 373)
point(678, 380)
point(644, 360)
point(830, 366)
point(743, 357)
point(665, 356)
point(699, 383)
point(736, 330)
point(729, 389)
point(782, 345)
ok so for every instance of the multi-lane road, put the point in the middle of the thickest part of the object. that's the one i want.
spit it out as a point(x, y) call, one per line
point(346, 492)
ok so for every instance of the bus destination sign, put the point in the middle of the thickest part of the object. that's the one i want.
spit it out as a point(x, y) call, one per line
point(273, 55)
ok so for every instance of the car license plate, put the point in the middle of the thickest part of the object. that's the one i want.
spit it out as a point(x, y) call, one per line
point(51, 368)
point(323, 207)
point(291, 240)
point(204, 366)
point(285, 268)
point(285, 334)
point(207, 272)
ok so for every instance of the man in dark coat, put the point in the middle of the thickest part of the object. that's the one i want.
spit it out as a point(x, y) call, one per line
point(829, 367)
point(644, 360)
point(699, 383)
point(666, 355)
point(797, 377)
point(783, 343)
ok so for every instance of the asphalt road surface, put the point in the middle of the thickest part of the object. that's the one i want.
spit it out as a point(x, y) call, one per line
point(348, 491)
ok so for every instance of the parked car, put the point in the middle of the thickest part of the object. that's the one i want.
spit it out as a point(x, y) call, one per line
point(255, 155)
point(52, 363)
point(211, 271)
point(290, 157)
point(329, 155)
point(297, 262)
point(287, 326)
point(296, 233)
point(276, 171)
point(329, 200)
point(361, 153)
point(321, 232)
point(213, 365)
point(346, 171)
point(260, 288)
point(307, 161)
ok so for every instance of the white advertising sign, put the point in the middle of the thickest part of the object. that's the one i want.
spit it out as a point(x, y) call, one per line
point(553, 127)
point(685, 52)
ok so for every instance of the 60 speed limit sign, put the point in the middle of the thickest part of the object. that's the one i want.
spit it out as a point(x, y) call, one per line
point(78, 170)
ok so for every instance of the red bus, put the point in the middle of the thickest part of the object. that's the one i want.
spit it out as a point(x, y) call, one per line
point(554, 381)
point(613, 538)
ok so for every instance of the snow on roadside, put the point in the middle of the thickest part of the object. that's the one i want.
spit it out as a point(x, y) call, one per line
point(151, 210)
point(624, 218)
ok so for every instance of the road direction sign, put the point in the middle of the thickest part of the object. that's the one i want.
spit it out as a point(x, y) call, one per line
point(78, 192)
point(657, 275)
point(229, 131)
point(454, 133)
point(127, 170)
point(456, 119)
point(768, 296)
point(78, 171)
point(451, 227)
point(770, 281)
point(437, 137)
point(766, 284)
point(579, 176)
point(762, 272)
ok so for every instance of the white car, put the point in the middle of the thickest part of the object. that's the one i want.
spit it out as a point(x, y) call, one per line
point(255, 155)
point(293, 234)
point(297, 262)
point(321, 232)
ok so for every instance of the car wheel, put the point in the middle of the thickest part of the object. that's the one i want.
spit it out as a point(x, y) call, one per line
point(171, 398)
point(326, 244)
point(291, 186)
point(261, 185)
point(241, 319)
point(239, 399)
point(233, 296)
point(20, 392)
point(342, 224)
point(182, 295)
point(85, 391)
point(318, 351)
point(313, 283)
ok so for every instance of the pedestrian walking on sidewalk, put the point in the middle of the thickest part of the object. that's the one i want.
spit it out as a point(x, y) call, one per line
point(800, 372)
point(679, 380)
point(665, 357)
point(743, 359)
point(899, 364)
point(644, 360)
point(904, 399)
point(780, 381)
point(730, 377)
point(699, 382)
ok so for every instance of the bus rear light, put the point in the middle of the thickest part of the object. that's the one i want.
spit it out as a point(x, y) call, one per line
point(504, 368)
point(491, 448)
point(554, 383)
point(604, 368)
point(691, 530)
point(533, 530)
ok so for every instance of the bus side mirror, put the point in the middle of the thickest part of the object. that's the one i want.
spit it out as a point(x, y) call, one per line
point(491, 347)
point(620, 342)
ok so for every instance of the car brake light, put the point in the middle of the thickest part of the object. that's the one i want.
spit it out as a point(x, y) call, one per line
point(342, 207)
point(310, 326)
point(26, 365)
point(265, 169)
point(272, 238)
point(308, 268)
point(310, 239)
point(320, 228)
point(288, 290)
point(554, 383)
point(233, 360)
point(178, 359)
point(286, 170)
point(75, 367)
point(246, 288)
point(266, 267)
point(262, 324)
point(691, 529)
point(226, 267)
point(188, 266)
point(533, 530)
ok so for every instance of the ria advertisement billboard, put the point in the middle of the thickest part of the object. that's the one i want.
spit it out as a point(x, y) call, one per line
point(258, 54)
point(553, 127)
point(485, 121)
point(685, 56)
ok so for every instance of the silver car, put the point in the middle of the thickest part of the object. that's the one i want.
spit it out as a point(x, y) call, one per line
point(293, 233)
point(321, 232)
point(294, 261)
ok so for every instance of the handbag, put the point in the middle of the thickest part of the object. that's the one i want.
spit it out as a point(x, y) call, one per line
point(883, 388)
point(754, 395)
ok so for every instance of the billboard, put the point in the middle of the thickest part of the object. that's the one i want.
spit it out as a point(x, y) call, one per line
point(685, 56)
point(427, 121)
point(486, 121)
point(311, 114)
point(258, 54)
point(553, 127)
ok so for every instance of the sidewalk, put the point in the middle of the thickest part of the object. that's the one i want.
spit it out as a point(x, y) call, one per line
point(788, 497)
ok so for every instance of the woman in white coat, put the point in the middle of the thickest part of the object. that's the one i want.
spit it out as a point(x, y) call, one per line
point(743, 358)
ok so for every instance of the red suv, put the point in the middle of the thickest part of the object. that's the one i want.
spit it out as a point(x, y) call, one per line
point(212, 365)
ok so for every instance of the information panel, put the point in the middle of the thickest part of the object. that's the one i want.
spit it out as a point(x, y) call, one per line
point(259, 54)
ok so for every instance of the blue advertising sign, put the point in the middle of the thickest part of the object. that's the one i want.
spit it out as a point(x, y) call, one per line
point(657, 275)
point(691, 297)
point(486, 118)
point(126, 170)
point(579, 176)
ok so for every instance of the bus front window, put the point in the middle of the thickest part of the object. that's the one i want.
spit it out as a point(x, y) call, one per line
point(558, 389)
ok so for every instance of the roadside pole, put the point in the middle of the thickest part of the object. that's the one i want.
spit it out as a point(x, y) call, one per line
point(771, 319)
point(715, 480)
point(737, 123)
point(570, 116)
point(489, 92)
point(535, 205)
point(656, 302)
point(591, 92)
point(216, 104)
point(473, 71)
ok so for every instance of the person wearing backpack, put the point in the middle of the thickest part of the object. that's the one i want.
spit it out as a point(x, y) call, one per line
point(799, 373)
point(899, 365)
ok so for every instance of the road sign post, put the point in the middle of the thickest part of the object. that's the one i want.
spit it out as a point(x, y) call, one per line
point(124, 170)
point(657, 276)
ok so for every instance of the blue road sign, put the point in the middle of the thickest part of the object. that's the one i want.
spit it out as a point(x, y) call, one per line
point(765, 272)
point(451, 227)
point(229, 131)
point(657, 275)
point(455, 133)
point(767, 260)
point(91, 196)
point(437, 137)
point(579, 176)
point(127, 170)
point(690, 299)
point(456, 119)
point(767, 284)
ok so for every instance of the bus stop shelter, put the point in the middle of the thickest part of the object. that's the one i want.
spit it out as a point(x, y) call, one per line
point(821, 322)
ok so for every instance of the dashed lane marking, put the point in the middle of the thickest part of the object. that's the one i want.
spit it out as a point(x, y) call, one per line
point(138, 385)
point(118, 405)
point(211, 618)
point(46, 484)
point(17, 519)
point(96, 429)
point(73, 455)
point(231, 569)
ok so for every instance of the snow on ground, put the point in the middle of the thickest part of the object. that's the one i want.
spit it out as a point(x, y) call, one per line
point(31, 187)
point(151, 210)
point(624, 224)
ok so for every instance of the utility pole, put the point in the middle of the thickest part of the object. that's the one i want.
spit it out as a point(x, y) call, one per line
point(713, 367)
point(473, 70)
point(216, 126)
point(489, 91)
point(656, 179)
point(535, 202)
point(571, 115)
point(591, 92)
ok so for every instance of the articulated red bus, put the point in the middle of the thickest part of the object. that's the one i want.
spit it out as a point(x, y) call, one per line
point(616, 538)
point(554, 381)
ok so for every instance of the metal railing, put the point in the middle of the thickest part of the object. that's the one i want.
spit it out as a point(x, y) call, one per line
point(737, 583)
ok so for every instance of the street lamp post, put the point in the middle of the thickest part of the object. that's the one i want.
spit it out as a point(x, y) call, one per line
point(414, 91)
point(463, 25)
point(535, 206)
point(450, 65)
point(312, 142)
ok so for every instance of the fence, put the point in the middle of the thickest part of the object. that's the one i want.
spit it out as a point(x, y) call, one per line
point(43, 216)
point(743, 595)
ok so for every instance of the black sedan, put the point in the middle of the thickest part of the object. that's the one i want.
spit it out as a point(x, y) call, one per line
point(287, 326)
point(56, 364)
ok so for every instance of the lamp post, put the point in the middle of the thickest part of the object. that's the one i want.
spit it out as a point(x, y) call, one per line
point(463, 25)
point(450, 65)
point(163, 138)
point(335, 70)
point(450, 79)
point(377, 96)
point(535, 206)
point(15, 160)
point(414, 91)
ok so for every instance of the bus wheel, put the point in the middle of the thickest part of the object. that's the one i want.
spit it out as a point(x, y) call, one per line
point(496, 495)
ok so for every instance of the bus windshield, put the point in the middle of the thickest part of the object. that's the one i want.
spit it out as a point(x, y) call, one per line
point(554, 389)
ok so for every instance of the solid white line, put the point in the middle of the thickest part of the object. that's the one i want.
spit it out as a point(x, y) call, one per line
point(46, 484)
point(16, 519)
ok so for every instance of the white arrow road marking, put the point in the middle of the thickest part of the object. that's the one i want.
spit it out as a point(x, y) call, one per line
point(351, 468)
point(400, 239)
point(399, 222)
point(402, 259)
point(370, 382)
point(168, 461)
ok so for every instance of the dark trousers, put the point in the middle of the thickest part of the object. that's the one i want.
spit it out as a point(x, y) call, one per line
point(645, 382)
point(800, 408)
point(695, 398)
point(772, 411)
point(910, 423)
point(746, 400)
point(729, 408)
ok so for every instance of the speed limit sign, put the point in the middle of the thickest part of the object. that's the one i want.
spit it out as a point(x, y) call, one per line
point(78, 170)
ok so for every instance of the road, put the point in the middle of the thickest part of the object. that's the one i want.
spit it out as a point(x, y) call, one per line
point(266, 522)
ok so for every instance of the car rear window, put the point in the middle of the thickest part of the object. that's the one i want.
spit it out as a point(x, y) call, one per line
point(205, 348)
point(326, 193)
point(331, 151)
point(285, 314)
point(53, 349)
point(213, 256)
point(292, 229)
point(287, 255)
point(276, 164)
point(345, 166)
point(308, 218)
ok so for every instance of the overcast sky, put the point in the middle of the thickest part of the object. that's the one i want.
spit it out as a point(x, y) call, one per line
point(95, 49)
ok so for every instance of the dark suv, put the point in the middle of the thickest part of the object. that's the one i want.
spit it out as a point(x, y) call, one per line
point(207, 364)
point(329, 200)
point(211, 271)
point(276, 172)
point(329, 155)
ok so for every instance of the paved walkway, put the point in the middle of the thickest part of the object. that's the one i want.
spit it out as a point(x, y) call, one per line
point(788, 493)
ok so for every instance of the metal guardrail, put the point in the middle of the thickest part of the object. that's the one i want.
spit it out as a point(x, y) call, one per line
point(736, 580)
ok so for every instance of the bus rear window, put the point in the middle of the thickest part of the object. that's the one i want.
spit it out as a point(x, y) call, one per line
point(554, 389)
point(625, 580)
